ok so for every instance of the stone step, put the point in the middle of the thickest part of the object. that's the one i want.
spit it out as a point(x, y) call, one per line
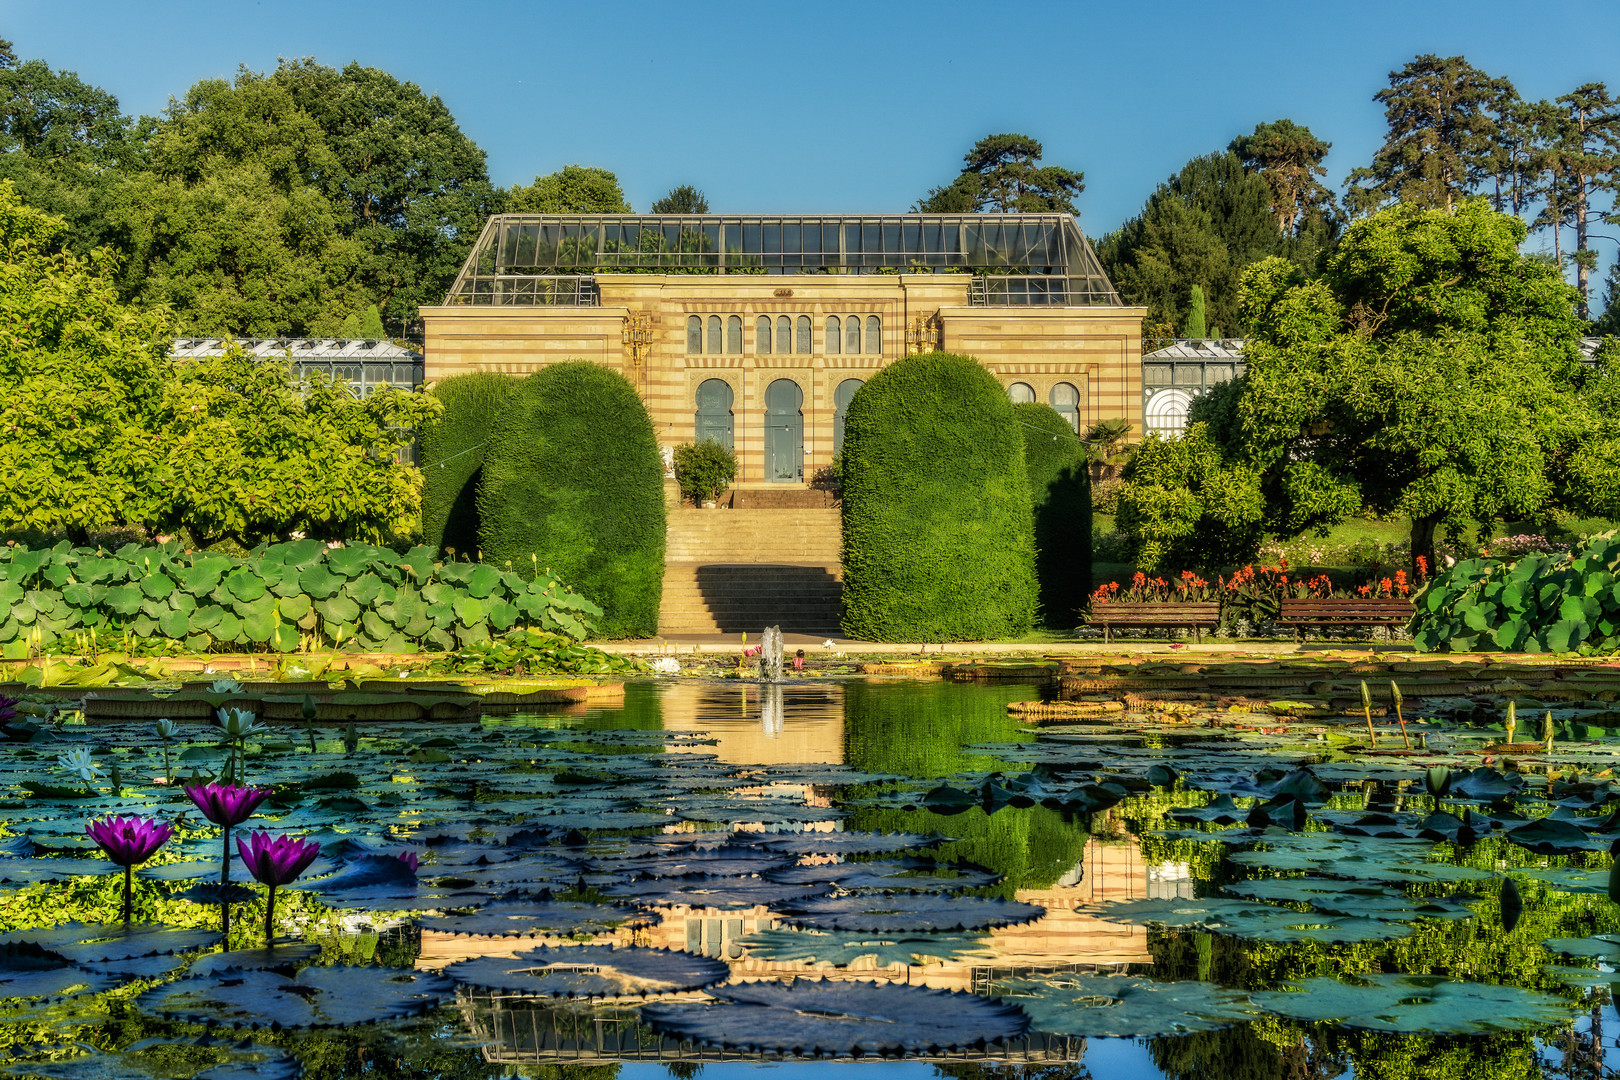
point(719, 597)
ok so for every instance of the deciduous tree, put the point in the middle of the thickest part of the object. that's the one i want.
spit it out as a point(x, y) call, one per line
point(684, 199)
point(573, 189)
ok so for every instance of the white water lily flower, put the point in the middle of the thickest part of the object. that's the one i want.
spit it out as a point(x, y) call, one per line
point(666, 665)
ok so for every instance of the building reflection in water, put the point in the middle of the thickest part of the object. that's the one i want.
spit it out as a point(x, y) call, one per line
point(803, 722)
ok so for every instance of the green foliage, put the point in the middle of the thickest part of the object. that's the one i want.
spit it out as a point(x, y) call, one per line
point(704, 469)
point(279, 598)
point(937, 515)
point(1538, 603)
point(1184, 505)
point(1195, 326)
point(573, 483)
point(1003, 173)
point(573, 189)
point(103, 431)
point(684, 199)
point(363, 324)
point(1201, 228)
point(451, 451)
point(1060, 488)
point(1289, 159)
point(1430, 373)
point(534, 652)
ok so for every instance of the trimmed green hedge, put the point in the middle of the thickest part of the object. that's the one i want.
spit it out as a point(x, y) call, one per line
point(573, 483)
point(936, 509)
point(1060, 486)
point(451, 453)
point(279, 598)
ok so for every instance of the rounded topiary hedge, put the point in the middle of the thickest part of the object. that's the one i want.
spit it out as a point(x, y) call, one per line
point(451, 454)
point(573, 484)
point(938, 542)
point(1060, 487)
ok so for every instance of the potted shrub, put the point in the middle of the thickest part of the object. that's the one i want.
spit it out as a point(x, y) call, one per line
point(704, 470)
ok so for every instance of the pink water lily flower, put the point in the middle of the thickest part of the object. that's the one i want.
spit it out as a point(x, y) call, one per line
point(227, 804)
point(275, 861)
point(128, 842)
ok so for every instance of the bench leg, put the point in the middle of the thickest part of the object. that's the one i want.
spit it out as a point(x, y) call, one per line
point(1197, 638)
point(1108, 634)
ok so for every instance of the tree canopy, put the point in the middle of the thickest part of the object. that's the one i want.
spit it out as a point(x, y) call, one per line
point(573, 189)
point(684, 199)
point(103, 431)
point(1003, 173)
point(1431, 372)
point(1289, 159)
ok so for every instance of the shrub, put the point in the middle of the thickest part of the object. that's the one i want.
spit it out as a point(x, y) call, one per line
point(573, 484)
point(451, 452)
point(1538, 603)
point(1184, 504)
point(1060, 488)
point(937, 519)
point(704, 469)
point(279, 598)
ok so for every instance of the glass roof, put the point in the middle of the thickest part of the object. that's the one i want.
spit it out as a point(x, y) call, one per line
point(1047, 251)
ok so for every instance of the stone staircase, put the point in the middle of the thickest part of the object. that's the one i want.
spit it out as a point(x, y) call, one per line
point(736, 571)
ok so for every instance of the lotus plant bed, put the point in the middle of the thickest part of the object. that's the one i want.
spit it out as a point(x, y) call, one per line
point(250, 899)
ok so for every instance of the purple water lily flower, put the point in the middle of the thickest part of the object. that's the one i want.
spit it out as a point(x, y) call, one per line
point(128, 842)
point(226, 805)
point(410, 859)
point(275, 861)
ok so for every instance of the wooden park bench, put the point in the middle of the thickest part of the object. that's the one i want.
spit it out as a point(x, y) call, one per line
point(1353, 612)
point(1167, 614)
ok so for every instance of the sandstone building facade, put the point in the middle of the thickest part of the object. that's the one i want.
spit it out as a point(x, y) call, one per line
point(757, 331)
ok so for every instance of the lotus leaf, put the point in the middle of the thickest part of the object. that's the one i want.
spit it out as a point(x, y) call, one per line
point(1416, 1004)
point(590, 971)
point(816, 1019)
point(317, 997)
point(84, 943)
point(892, 914)
point(1120, 1006)
point(28, 971)
point(1247, 919)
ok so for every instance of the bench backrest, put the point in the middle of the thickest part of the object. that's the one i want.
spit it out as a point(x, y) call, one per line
point(1312, 606)
point(1157, 609)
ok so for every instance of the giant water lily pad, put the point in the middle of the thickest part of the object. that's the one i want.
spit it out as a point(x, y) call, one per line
point(1119, 1006)
point(28, 971)
point(904, 876)
point(729, 893)
point(816, 1019)
point(590, 971)
point(518, 918)
point(1248, 919)
point(1349, 898)
point(889, 914)
point(1416, 1004)
point(84, 943)
point(316, 997)
point(842, 949)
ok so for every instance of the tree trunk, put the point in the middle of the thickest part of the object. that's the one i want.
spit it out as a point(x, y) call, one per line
point(1423, 542)
point(1581, 198)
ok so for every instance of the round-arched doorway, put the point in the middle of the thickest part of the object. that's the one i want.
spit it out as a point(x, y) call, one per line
point(713, 420)
point(784, 432)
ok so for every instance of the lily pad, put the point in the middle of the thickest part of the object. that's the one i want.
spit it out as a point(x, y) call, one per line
point(100, 942)
point(817, 1019)
point(1124, 1007)
point(28, 971)
point(890, 914)
point(1416, 1004)
point(316, 997)
point(590, 971)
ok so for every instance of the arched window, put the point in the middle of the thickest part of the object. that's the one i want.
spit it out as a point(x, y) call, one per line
point(841, 398)
point(762, 336)
point(715, 344)
point(835, 334)
point(734, 335)
point(805, 345)
point(784, 430)
point(874, 334)
point(1021, 392)
point(1066, 400)
point(694, 334)
point(784, 334)
point(852, 335)
point(713, 419)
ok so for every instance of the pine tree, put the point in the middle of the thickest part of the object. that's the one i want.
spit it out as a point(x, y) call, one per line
point(1441, 136)
point(1004, 173)
point(1289, 159)
point(1194, 326)
point(1582, 154)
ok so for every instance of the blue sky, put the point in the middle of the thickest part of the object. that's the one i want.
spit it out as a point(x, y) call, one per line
point(846, 106)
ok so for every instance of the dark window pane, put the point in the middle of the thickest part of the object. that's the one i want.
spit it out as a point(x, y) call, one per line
point(834, 335)
point(762, 335)
point(804, 345)
point(874, 334)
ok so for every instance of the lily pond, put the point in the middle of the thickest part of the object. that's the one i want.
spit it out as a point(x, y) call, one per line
point(1336, 866)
